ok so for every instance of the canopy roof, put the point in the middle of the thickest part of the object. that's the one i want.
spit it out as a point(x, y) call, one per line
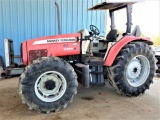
point(110, 5)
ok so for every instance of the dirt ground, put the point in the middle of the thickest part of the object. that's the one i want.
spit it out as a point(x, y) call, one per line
point(102, 104)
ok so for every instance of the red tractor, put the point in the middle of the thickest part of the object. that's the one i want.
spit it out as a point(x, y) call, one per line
point(55, 64)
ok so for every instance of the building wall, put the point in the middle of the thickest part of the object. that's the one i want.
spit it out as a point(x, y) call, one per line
point(25, 19)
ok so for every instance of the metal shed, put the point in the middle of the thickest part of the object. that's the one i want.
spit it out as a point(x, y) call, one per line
point(25, 19)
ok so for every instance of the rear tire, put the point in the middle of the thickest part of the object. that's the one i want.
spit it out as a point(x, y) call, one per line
point(48, 84)
point(133, 69)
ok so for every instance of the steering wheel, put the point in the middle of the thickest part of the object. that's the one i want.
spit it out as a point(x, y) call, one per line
point(94, 30)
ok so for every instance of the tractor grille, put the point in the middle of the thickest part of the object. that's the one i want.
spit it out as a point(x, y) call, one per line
point(35, 54)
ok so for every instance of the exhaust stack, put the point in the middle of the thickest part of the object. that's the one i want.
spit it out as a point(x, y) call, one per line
point(58, 18)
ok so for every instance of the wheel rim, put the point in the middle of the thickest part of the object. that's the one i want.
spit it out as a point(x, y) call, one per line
point(50, 86)
point(138, 71)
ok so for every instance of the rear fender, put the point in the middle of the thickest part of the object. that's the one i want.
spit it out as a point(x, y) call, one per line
point(114, 50)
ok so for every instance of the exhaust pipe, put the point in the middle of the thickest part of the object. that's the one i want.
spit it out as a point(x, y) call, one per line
point(58, 17)
point(4, 74)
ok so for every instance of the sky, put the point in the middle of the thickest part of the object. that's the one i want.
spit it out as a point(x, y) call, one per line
point(146, 14)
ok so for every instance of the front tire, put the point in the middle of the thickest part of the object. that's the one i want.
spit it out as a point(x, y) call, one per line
point(48, 84)
point(133, 69)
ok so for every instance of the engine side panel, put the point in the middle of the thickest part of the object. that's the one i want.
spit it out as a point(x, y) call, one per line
point(115, 49)
point(59, 45)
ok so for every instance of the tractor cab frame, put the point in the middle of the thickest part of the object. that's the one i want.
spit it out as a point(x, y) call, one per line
point(112, 7)
point(115, 6)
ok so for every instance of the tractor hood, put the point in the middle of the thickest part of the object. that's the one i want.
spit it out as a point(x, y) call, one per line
point(110, 5)
point(58, 45)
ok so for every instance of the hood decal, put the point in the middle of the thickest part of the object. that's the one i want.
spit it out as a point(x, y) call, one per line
point(58, 40)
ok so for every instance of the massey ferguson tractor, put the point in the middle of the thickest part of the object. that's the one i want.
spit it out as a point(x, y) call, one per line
point(55, 64)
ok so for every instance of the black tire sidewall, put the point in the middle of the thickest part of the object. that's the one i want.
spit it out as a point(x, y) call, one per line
point(135, 53)
point(118, 72)
point(58, 66)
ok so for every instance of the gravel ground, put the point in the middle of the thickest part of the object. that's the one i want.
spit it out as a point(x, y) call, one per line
point(95, 103)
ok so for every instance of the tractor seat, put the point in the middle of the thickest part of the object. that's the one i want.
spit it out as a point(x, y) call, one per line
point(111, 36)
